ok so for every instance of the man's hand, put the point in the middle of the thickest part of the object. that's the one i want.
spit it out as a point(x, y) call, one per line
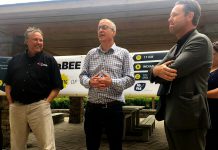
point(105, 81)
point(94, 81)
point(164, 72)
point(8, 94)
point(100, 81)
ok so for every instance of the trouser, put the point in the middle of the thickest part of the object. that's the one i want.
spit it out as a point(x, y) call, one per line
point(212, 139)
point(37, 117)
point(98, 118)
point(194, 139)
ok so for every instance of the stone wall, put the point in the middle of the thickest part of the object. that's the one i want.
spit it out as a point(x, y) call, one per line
point(5, 121)
point(76, 110)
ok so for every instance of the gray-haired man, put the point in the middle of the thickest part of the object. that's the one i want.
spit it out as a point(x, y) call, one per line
point(32, 81)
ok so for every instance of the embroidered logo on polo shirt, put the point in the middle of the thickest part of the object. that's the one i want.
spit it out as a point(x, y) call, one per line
point(42, 64)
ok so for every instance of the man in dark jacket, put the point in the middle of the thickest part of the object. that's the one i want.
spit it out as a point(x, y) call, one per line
point(183, 76)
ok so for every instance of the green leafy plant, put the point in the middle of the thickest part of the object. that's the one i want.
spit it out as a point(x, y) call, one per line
point(63, 102)
point(141, 101)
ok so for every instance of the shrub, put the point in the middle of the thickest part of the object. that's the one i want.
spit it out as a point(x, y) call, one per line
point(62, 102)
point(141, 101)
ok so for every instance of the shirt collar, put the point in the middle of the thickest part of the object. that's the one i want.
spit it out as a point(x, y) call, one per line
point(34, 57)
point(183, 39)
point(111, 50)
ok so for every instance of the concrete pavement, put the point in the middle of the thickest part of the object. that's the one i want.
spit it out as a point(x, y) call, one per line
point(72, 137)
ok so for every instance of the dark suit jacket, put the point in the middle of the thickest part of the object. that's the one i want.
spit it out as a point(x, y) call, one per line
point(185, 98)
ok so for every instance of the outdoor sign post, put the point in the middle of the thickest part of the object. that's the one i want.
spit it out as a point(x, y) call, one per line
point(142, 64)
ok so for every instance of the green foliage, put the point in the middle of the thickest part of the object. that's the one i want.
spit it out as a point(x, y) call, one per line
point(62, 102)
point(141, 101)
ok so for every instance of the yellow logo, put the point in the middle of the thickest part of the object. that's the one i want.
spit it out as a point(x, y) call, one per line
point(65, 80)
point(1, 82)
point(138, 57)
point(137, 76)
point(138, 66)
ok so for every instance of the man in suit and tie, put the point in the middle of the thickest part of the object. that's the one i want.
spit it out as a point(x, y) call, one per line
point(183, 75)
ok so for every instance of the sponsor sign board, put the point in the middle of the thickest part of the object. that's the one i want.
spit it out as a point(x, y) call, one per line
point(70, 67)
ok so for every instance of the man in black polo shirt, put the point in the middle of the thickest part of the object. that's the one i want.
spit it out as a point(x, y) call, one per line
point(33, 79)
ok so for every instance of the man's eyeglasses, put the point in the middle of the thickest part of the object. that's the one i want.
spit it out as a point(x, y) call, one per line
point(105, 27)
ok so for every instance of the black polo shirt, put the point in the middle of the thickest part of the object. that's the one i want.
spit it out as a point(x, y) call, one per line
point(32, 78)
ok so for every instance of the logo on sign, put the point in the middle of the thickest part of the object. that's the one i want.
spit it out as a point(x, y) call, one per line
point(139, 86)
point(138, 57)
point(137, 76)
point(137, 66)
point(65, 80)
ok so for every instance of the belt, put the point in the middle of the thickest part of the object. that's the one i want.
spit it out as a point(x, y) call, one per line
point(106, 105)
